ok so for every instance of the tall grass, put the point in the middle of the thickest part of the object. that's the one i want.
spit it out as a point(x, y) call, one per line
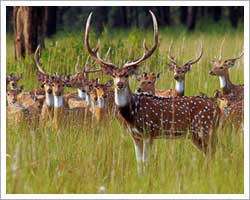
point(87, 156)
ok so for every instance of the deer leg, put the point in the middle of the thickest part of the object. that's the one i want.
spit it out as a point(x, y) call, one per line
point(146, 150)
point(138, 153)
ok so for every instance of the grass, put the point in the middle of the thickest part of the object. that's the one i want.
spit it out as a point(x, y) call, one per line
point(85, 157)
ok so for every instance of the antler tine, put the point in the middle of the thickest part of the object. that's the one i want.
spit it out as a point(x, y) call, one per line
point(220, 52)
point(195, 60)
point(242, 53)
point(147, 53)
point(170, 57)
point(77, 64)
point(94, 53)
point(36, 58)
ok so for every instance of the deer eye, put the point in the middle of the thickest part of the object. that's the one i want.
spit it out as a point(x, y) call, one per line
point(126, 76)
point(53, 84)
point(221, 67)
point(149, 82)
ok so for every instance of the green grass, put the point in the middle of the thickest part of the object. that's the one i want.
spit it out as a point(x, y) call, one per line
point(86, 157)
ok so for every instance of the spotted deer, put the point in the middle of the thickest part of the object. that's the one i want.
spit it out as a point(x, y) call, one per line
point(26, 110)
point(79, 80)
point(12, 80)
point(102, 99)
point(45, 81)
point(221, 68)
point(150, 117)
point(232, 109)
point(147, 81)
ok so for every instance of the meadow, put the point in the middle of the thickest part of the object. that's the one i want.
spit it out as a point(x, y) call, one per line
point(88, 155)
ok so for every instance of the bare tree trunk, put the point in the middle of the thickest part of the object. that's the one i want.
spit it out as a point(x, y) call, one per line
point(29, 29)
point(191, 17)
point(51, 20)
point(234, 15)
point(217, 11)
point(183, 16)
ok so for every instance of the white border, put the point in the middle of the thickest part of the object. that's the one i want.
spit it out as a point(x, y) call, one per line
point(124, 196)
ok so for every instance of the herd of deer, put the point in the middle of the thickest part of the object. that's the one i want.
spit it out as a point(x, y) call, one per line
point(148, 113)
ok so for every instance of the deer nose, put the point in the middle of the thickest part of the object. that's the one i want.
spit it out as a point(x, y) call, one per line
point(139, 90)
point(211, 73)
point(49, 91)
point(95, 98)
point(176, 77)
point(120, 85)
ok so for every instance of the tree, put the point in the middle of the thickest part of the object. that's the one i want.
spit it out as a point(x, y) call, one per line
point(50, 20)
point(29, 29)
point(191, 17)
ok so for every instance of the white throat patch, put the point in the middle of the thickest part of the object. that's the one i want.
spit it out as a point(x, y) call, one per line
point(121, 97)
point(179, 86)
point(222, 81)
point(58, 101)
point(100, 102)
point(81, 94)
point(49, 99)
point(88, 100)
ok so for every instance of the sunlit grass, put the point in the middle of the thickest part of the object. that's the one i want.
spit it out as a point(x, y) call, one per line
point(84, 158)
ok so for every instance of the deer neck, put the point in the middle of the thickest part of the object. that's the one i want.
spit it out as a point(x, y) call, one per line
point(125, 102)
point(225, 84)
point(81, 94)
point(88, 100)
point(49, 99)
point(58, 102)
point(179, 87)
point(123, 97)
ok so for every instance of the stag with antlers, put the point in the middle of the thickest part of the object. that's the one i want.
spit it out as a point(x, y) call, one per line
point(149, 117)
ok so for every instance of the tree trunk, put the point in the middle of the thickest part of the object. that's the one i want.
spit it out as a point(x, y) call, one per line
point(183, 17)
point(217, 11)
point(191, 17)
point(234, 16)
point(29, 29)
point(51, 20)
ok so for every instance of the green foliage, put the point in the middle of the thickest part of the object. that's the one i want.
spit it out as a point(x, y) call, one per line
point(86, 156)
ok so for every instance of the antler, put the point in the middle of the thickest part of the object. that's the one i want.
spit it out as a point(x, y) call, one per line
point(242, 53)
point(94, 53)
point(170, 56)
point(220, 52)
point(36, 58)
point(147, 53)
point(195, 60)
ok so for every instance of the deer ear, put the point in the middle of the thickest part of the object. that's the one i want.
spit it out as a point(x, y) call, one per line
point(171, 66)
point(109, 83)
point(138, 77)
point(158, 75)
point(20, 89)
point(20, 77)
point(132, 70)
point(217, 94)
point(187, 67)
point(230, 62)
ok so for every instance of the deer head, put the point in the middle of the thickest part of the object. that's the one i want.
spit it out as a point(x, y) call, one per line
point(12, 80)
point(43, 77)
point(121, 75)
point(147, 82)
point(181, 70)
point(12, 94)
point(220, 67)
